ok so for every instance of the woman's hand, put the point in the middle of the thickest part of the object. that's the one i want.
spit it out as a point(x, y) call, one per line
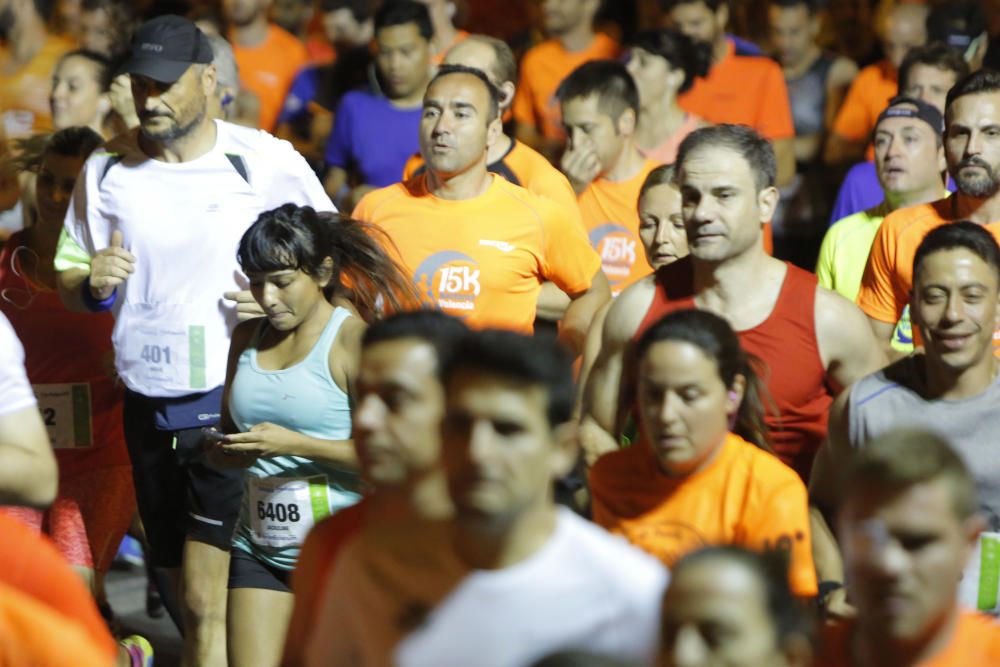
point(264, 439)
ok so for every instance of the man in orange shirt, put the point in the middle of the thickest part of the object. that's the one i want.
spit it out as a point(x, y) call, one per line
point(901, 30)
point(572, 42)
point(600, 104)
point(972, 151)
point(446, 35)
point(268, 57)
point(28, 57)
point(744, 90)
point(909, 525)
point(478, 246)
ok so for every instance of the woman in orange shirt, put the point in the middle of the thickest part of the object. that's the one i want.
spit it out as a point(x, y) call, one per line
point(701, 472)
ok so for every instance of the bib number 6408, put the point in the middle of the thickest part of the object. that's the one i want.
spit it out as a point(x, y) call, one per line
point(278, 512)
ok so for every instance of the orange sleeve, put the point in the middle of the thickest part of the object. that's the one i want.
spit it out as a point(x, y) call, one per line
point(782, 523)
point(552, 184)
point(35, 635)
point(568, 259)
point(363, 209)
point(878, 295)
point(775, 121)
point(415, 162)
point(523, 108)
point(851, 122)
point(30, 563)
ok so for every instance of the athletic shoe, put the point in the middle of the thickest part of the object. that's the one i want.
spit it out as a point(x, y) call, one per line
point(140, 651)
point(129, 554)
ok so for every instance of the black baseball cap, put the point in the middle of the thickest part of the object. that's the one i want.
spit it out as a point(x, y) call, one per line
point(922, 111)
point(163, 48)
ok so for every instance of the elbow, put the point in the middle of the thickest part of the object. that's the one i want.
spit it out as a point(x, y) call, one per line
point(41, 484)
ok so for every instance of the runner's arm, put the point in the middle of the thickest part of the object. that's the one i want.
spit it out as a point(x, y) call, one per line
point(847, 345)
point(28, 473)
point(581, 311)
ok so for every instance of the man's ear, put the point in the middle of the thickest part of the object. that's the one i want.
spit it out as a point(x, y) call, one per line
point(767, 201)
point(507, 90)
point(627, 122)
point(565, 449)
point(209, 80)
point(494, 130)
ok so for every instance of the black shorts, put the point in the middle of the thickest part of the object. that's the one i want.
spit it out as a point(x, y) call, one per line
point(178, 493)
point(246, 571)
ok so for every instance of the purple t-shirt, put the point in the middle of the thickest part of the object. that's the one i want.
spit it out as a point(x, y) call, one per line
point(372, 136)
point(861, 191)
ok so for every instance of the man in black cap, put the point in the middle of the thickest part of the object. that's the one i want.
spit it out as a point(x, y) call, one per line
point(151, 234)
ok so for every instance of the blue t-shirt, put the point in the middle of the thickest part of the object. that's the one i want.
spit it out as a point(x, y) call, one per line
point(302, 92)
point(373, 137)
point(861, 191)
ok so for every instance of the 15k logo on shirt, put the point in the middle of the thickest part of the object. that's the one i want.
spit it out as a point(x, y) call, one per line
point(449, 280)
point(617, 247)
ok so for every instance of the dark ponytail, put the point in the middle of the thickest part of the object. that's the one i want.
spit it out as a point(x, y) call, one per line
point(298, 237)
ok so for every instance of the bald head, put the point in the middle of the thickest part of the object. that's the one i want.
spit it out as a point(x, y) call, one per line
point(489, 55)
point(903, 28)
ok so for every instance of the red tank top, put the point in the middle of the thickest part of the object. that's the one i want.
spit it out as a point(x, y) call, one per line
point(785, 343)
point(65, 348)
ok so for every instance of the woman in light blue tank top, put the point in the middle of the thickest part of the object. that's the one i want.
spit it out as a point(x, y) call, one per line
point(287, 402)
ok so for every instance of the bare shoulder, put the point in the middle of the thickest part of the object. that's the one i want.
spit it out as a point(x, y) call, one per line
point(244, 332)
point(835, 311)
point(627, 311)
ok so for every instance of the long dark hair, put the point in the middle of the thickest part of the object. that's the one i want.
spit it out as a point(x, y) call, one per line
point(713, 336)
point(299, 237)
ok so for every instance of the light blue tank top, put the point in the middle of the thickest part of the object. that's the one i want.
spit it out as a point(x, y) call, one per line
point(286, 495)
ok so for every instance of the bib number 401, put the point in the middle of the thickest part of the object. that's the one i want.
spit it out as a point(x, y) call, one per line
point(278, 512)
point(155, 354)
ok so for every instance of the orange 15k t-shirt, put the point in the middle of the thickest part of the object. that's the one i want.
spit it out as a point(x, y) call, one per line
point(745, 496)
point(867, 97)
point(888, 278)
point(542, 70)
point(524, 166)
point(483, 259)
point(267, 70)
point(747, 90)
point(611, 216)
point(975, 642)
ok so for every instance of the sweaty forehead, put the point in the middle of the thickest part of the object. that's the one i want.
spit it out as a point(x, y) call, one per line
point(714, 165)
point(458, 87)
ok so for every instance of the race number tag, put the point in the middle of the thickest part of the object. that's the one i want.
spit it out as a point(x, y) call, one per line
point(980, 585)
point(284, 509)
point(162, 349)
point(65, 410)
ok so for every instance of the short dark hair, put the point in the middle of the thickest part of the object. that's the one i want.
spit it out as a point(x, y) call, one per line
point(753, 148)
point(442, 332)
point(716, 339)
point(493, 91)
point(810, 5)
point(901, 459)
point(668, 5)
point(536, 360)
point(679, 50)
point(402, 12)
point(962, 234)
point(935, 54)
point(981, 81)
point(361, 10)
point(608, 81)
point(105, 70)
point(664, 174)
point(770, 570)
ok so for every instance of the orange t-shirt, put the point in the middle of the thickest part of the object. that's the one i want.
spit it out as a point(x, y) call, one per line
point(268, 69)
point(319, 553)
point(30, 563)
point(24, 95)
point(524, 166)
point(35, 635)
point(867, 97)
point(542, 70)
point(888, 278)
point(975, 643)
point(745, 496)
point(483, 259)
point(747, 90)
point(610, 214)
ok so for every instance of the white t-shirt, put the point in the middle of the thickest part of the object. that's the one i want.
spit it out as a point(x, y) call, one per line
point(182, 222)
point(15, 390)
point(584, 590)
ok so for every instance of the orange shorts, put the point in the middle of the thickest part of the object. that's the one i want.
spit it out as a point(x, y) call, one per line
point(89, 517)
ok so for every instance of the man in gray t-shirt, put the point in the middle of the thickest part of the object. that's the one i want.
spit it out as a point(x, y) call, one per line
point(951, 387)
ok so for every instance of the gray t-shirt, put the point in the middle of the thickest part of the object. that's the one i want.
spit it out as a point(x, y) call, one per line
point(891, 399)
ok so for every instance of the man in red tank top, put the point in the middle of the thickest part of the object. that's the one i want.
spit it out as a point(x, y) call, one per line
point(810, 342)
